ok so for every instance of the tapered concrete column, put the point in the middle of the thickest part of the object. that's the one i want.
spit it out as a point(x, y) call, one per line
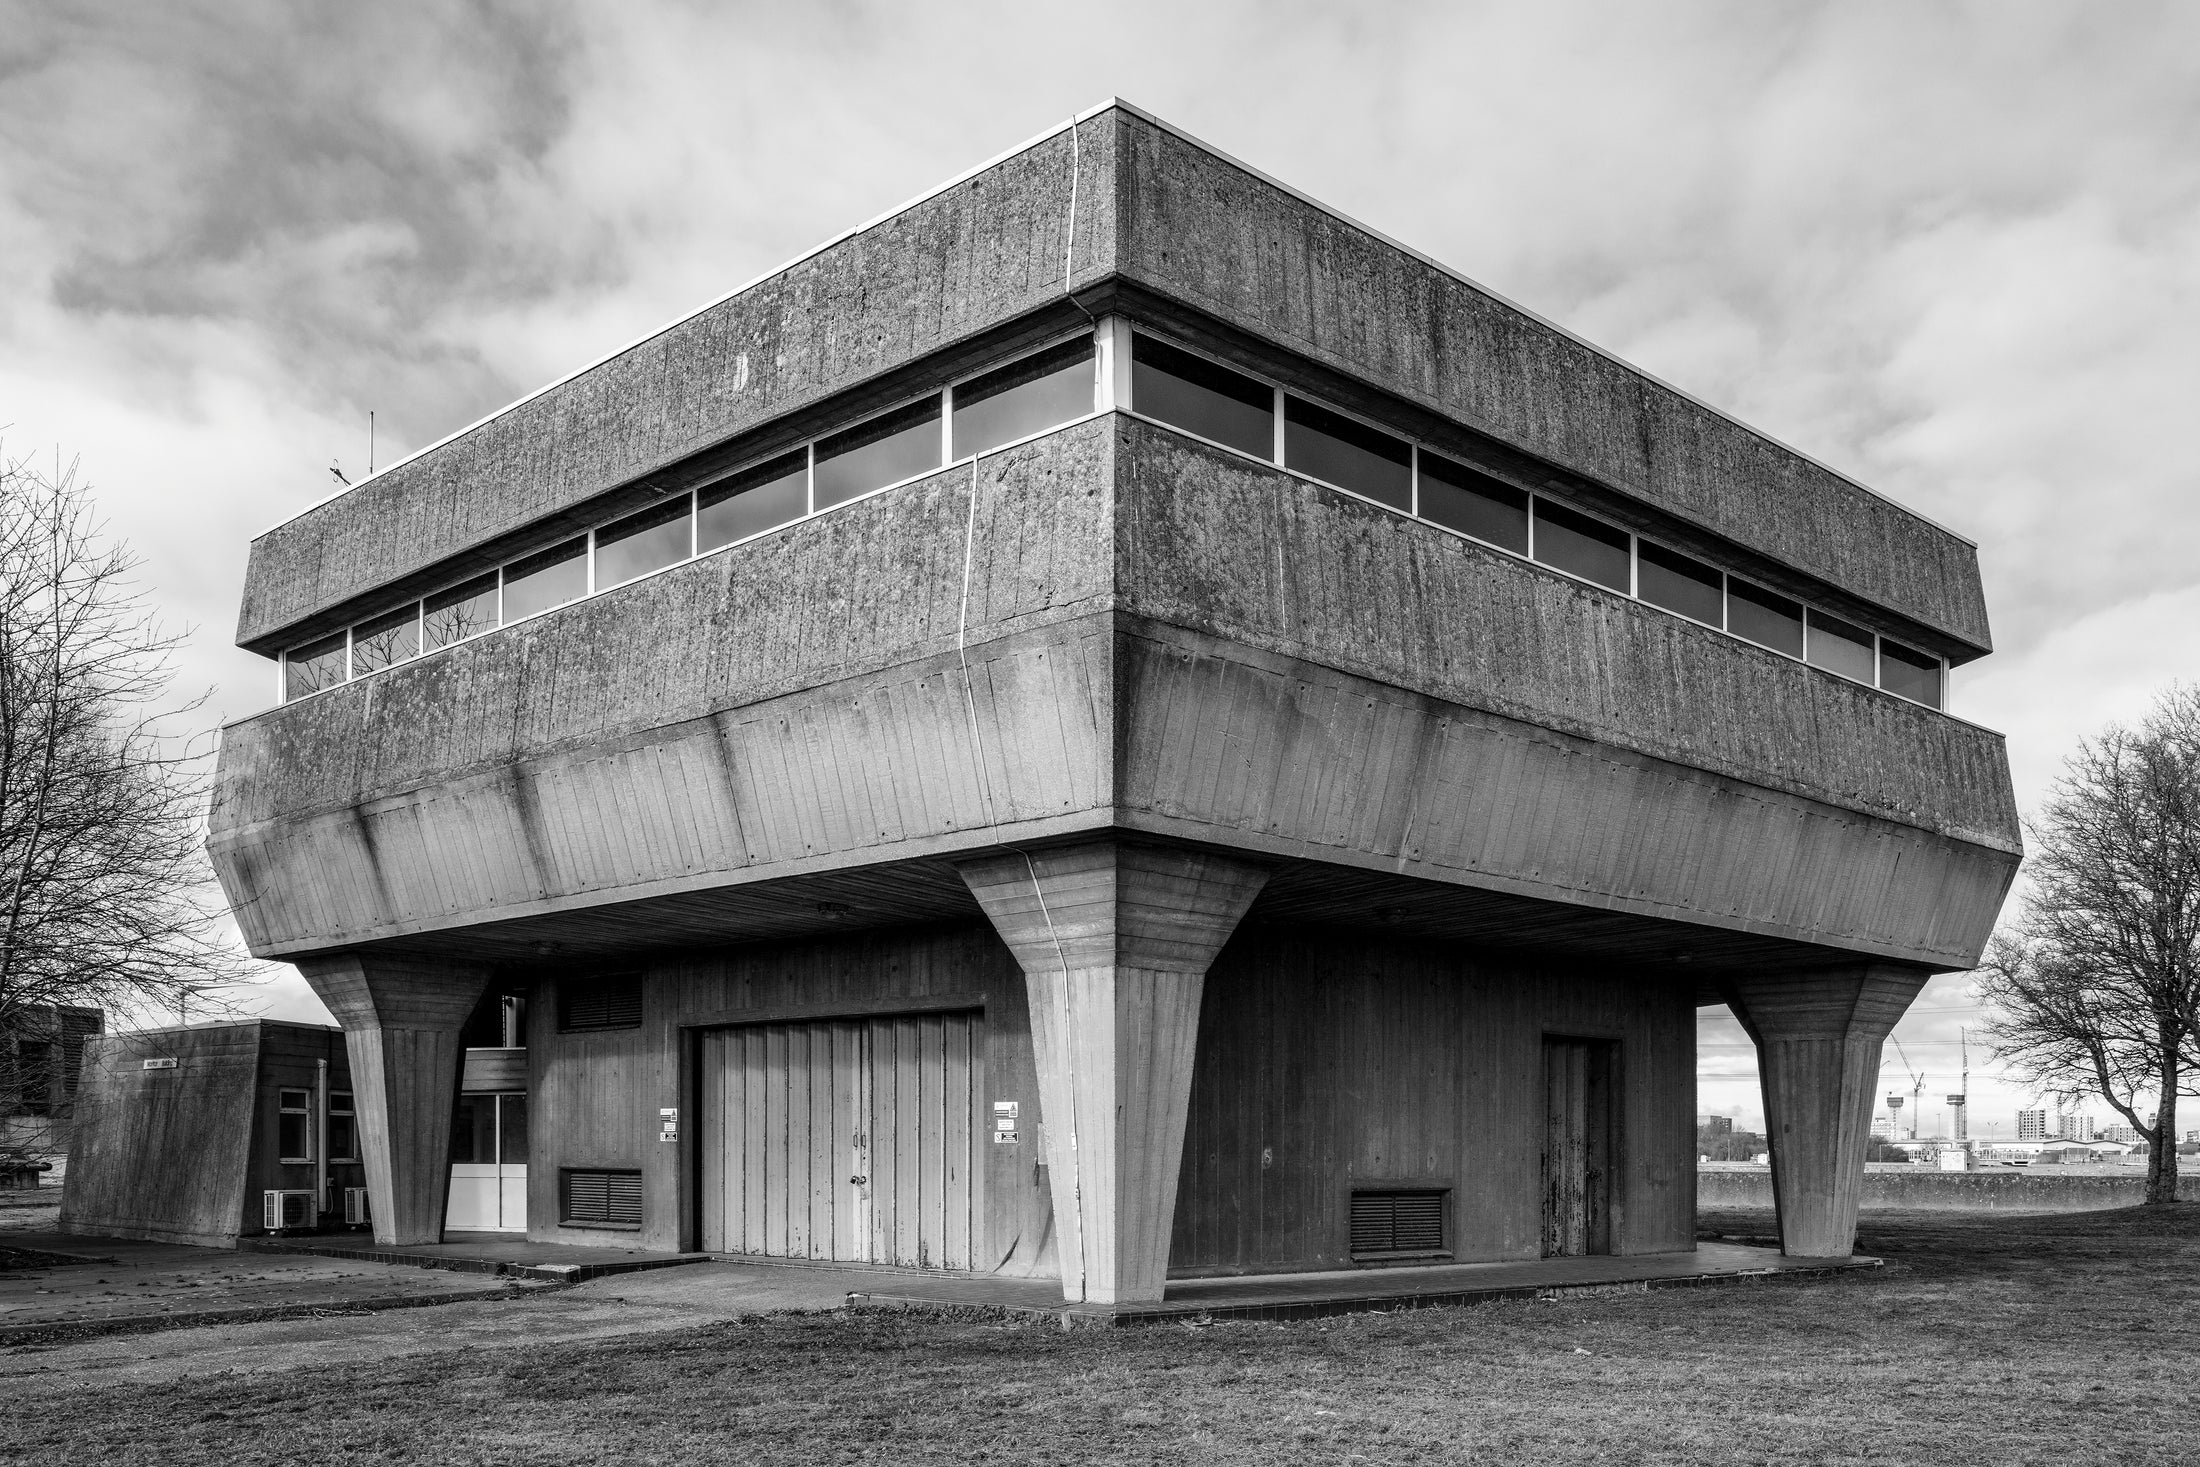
point(402, 1020)
point(1114, 941)
point(1818, 1038)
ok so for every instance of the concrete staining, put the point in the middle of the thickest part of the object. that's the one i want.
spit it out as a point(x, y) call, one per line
point(1160, 214)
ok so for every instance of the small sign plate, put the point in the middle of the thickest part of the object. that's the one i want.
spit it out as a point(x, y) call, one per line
point(1004, 1138)
point(1004, 1108)
point(160, 1064)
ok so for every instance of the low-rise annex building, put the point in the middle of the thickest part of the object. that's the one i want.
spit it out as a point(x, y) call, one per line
point(1111, 724)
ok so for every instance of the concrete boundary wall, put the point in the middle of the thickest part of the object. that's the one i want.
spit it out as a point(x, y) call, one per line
point(1956, 1191)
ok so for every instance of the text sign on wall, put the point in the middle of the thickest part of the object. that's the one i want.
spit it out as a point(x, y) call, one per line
point(1004, 1123)
point(160, 1064)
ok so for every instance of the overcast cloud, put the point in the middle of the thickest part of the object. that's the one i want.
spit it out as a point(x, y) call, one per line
point(1953, 250)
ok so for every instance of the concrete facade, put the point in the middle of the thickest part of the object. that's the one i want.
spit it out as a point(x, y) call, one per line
point(1132, 701)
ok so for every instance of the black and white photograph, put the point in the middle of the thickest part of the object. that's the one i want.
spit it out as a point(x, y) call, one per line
point(968, 732)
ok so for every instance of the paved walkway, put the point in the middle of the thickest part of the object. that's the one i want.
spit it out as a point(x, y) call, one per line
point(502, 1316)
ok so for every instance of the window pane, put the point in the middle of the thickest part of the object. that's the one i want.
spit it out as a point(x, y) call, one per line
point(292, 1099)
point(1338, 450)
point(387, 640)
point(890, 448)
point(1025, 397)
point(1765, 617)
point(339, 1103)
point(314, 666)
point(474, 1129)
point(512, 1129)
point(1679, 583)
point(1473, 503)
point(1913, 674)
point(343, 1138)
point(462, 611)
point(549, 578)
point(1841, 646)
point(1588, 548)
point(290, 1135)
point(753, 501)
point(1200, 397)
point(642, 542)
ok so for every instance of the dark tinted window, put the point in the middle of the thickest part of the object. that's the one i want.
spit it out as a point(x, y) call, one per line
point(1342, 451)
point(386, 640)
point(1196, 395)
point(294, 1124)
point(343, 1128)
point(1905, 670)
point(753, 501)
point(474, 1131)
point(1679, 583)
point(1590, 549)
point(1024, 397)
point(512, 1129)
point(1765, 617)
point(548, 578)
point(1841, 646)
point(462, 611)
point(1473, 503)
point(642, 542)
point(886, 450)
point(314, 666)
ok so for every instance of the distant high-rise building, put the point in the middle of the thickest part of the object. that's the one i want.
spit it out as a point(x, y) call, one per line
point(2117, 1132)
point(2075, 1127)
point(1716, 1125)
point(2032, 1125)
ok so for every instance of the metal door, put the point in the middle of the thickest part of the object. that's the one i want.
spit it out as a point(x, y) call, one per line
point(842, 1139)
point(1577, 1147)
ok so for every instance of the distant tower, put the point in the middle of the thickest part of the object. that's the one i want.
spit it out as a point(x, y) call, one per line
point(2031, 1125)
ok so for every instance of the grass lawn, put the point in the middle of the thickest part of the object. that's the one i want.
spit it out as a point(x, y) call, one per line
point(1987, 1339)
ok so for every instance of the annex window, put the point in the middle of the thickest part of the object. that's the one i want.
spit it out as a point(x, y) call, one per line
point(1842, 647)
point(545, 579)
point(343, 1127)
point(1473, 503)
point(757, 499)
point(1347, 453)
point(1910, 673)
point(1581, 546)
point(1764, 617)
point(1680, 583)
point(34, 1064)
point(315, 666)
point(604, 1003)
point(647, 540)
point(1399, 1223)
point(461, 611)
point(1023, 398)
point(886, 450)
point(386, 640)
point(600, 1199)
point(1200, 397)
point(294, 1126)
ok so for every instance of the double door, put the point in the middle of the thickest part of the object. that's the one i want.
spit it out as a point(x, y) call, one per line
point(488, 1165)
point(845, 1139)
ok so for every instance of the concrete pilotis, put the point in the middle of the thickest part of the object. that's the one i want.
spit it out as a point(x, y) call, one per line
point(1818, 1038)
point(402, 1021)
point(1115, 941)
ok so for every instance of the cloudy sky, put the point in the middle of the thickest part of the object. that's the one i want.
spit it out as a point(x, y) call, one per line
point(1951, 249)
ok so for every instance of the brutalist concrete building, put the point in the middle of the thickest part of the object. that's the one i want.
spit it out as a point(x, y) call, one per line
point(1113, 724)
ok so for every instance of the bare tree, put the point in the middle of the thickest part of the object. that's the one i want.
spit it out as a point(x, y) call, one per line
point(2097, 983)
point(106, 897)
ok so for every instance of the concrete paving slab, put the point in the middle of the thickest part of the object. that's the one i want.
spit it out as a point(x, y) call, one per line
point(510, 1255)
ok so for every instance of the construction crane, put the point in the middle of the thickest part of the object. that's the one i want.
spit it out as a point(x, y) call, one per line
point(1917, 1089)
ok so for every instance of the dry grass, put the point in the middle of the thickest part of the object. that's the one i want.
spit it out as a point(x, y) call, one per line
point(1989, 1339)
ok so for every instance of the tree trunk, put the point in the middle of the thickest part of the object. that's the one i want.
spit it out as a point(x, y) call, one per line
point(2162, 1146)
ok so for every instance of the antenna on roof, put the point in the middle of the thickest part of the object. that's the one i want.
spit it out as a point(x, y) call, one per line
point(370, 443)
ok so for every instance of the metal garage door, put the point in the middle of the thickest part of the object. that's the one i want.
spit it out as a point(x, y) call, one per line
point(846, 1139)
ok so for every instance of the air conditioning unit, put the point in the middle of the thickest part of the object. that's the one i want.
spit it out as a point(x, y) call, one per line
point(356, 1213)
point(291, 1209)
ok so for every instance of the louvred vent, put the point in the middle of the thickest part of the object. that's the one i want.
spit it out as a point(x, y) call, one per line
point(1397, 1223)
point(613, 1003)
point(607, 1199)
